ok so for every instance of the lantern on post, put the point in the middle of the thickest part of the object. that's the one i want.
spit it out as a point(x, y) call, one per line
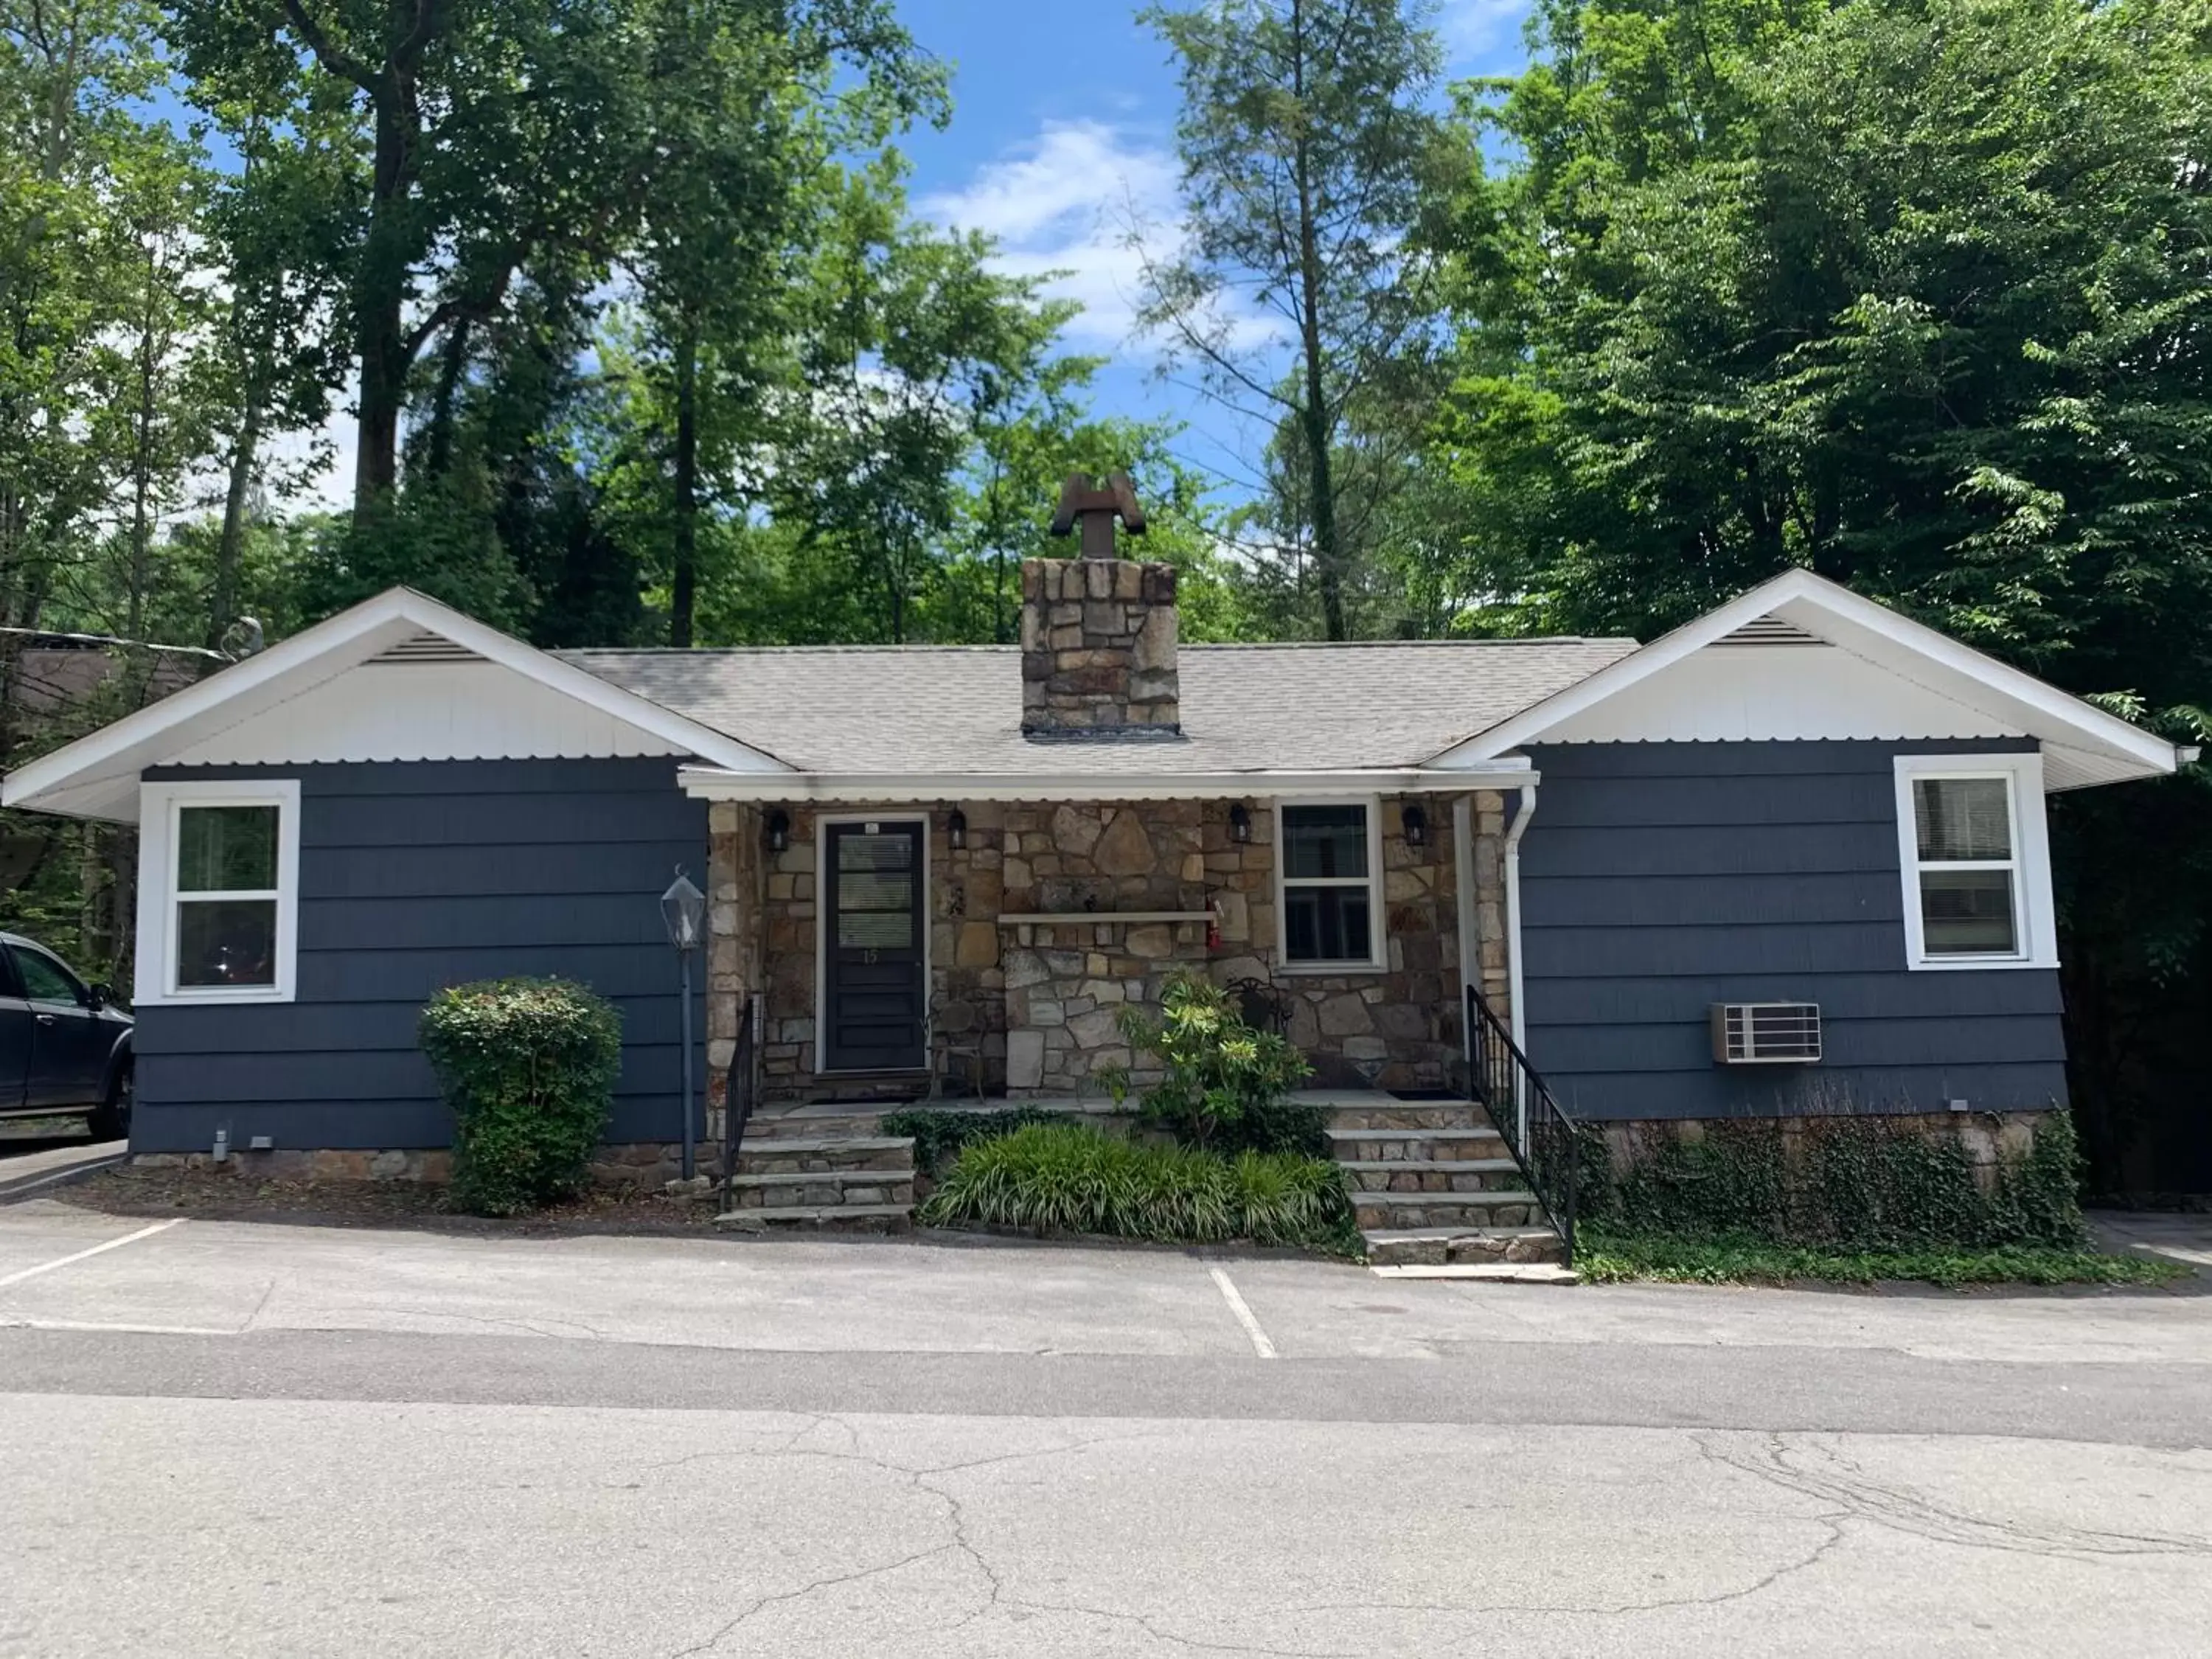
point(683, 912)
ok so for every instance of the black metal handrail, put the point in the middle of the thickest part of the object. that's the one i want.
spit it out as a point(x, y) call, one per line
point(738, 1092)
point(1543, 1140)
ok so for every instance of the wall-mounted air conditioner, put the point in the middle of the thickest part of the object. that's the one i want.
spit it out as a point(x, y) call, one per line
point(1766, 1033)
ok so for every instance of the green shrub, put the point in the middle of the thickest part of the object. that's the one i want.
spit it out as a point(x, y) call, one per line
point(529, 1067)
point(1857, 1184)
point(1068, 1178)
point(940, 1136)
point(1226, 1084)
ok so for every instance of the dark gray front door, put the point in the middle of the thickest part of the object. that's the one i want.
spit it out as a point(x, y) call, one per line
point(875, 998)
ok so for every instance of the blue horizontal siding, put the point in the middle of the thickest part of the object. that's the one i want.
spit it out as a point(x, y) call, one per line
point(418, 875)
point(1660, 878)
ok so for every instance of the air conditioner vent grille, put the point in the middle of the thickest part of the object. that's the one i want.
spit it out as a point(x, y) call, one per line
point(1766, 1033)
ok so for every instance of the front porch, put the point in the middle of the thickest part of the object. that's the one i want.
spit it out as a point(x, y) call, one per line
point(888, 952)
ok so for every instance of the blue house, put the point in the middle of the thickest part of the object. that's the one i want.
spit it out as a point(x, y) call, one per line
point(1788, 859)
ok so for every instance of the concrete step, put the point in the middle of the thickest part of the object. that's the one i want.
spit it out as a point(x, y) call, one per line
point(823, 1217)
point(822, 1188)
point(1406, 1247)
point(1404, 1210)
point(1426, 1175)
point(796, 1153)
point(1406, 1114)
point(1385, 1146)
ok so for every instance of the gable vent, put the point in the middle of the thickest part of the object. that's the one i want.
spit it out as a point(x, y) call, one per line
point(1766, 1033)
point(1770, 630)
point(427, 648)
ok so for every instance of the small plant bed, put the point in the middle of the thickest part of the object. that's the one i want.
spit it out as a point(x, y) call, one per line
point(1604, 1256)
point(219, 1195)
point(1069, 1179)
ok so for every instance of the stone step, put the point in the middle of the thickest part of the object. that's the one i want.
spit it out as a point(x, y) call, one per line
point(823, 1217)
point(820, 1189)
point(1423, 1175)
point(796, 1153)
point(816, 1123)
point(1406, 1114)
point(1402, 1210)
point(1441, 1145)
point(1388, 1247)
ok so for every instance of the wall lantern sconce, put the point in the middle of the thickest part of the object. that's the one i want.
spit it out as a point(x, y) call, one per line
point(1417, 825)
point(956, 830)
point(1240, 822)
point(778, 830)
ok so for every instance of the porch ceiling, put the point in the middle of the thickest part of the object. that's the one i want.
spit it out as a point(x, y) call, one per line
point(711, 783)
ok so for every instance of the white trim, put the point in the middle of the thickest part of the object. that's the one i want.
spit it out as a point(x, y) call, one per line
point(155, 984)
point(96, 776)
point(1518, 1014)
point(708, 783)
point(822, 822)
point(2114, 749)
point(1378, 920)
point(2034, 920)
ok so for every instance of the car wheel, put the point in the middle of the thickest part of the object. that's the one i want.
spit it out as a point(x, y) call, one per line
point(112, 1121)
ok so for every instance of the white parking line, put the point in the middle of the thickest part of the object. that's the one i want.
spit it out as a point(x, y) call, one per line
point(21, 1274)
point(1261, 1344)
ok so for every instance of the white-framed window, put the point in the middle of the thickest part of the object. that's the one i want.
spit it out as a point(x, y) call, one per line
point(1976, 859)
point(219, 891)
point(1328, 885)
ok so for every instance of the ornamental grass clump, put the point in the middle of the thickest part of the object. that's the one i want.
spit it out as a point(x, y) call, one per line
point(528, 1066)
point(1069, 1178)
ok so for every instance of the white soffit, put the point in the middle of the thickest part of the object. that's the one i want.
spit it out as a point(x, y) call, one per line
point(421, 706)
point(1738, 692)
point(376, 644)
point(1930, 686)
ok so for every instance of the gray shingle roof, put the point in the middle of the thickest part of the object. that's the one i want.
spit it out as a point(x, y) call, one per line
point(1249, 707)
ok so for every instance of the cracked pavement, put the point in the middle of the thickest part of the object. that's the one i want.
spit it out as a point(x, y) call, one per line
point(258, 1440)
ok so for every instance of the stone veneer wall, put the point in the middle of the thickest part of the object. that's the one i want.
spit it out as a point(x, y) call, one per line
point(1099, 646)
point(1066, 982)
point(1400, 1028)
point(1037, 1003)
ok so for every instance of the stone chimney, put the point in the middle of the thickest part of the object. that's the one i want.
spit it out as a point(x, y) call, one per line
point(1098, 632)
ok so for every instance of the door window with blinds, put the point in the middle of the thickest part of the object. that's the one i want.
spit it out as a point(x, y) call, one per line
point(1332, 913)
point(874, 995)
point(1977, 879)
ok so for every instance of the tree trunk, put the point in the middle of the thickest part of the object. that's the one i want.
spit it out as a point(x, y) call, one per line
point(685, 578)
point(452, 361)
point(1313, 412)
point(142, 461)
point(379, 304)
point(223, 607)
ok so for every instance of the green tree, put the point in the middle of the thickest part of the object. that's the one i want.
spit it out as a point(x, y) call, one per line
point(1306, 141)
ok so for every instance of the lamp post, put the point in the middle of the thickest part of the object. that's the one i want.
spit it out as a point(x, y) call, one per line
point(683, 909)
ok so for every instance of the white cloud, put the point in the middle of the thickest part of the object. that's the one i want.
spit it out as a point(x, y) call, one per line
point(1478, 28)
point(1063, 202)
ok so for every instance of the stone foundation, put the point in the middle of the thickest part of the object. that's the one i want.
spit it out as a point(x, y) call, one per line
point(434, 1165)
point(1991, 1139)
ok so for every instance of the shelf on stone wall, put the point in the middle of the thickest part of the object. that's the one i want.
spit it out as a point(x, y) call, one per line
point(1064, 918)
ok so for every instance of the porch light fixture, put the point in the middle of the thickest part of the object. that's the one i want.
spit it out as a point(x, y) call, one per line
point(779, 831)
point(684, 911)
point(956, 830)
point(1416, 823)
point(1240, 821)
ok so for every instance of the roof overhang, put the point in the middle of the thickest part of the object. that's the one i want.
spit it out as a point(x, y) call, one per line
point(2081, 744)
point(709, 783)
point(97, 776)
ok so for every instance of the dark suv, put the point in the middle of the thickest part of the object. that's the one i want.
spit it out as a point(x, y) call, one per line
point(64, 1047)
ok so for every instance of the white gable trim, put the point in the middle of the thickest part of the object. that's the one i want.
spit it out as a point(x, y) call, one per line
point(97, 776)
point(2086, 745)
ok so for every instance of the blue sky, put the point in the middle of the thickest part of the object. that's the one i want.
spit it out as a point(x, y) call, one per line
point(1062, 126)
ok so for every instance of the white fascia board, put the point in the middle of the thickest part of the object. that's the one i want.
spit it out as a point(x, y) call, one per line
point(708, 783)
point(97, 776)
point(1868, 630)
